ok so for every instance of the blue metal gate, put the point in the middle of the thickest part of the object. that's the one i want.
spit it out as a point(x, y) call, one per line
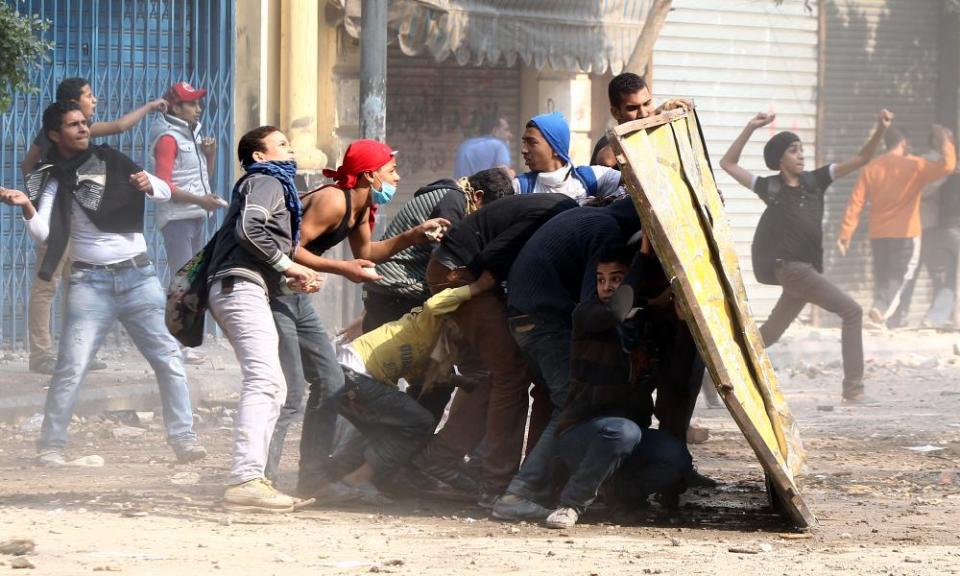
point(131, 51)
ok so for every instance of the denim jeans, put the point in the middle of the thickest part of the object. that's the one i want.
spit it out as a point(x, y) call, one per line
point(394, 426)
point(642, 461)
point(545, 343)
point(182, 239)
point(306, 354)
point(242, 309)
point(96, 299)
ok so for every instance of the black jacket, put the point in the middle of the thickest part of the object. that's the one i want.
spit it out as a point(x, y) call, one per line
point(255, 234)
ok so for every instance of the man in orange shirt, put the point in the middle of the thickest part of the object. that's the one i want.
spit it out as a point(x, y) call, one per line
point(893, 184)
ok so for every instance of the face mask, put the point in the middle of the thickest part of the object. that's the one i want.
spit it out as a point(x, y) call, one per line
point(385, 194)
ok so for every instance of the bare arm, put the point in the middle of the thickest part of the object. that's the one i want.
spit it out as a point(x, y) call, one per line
point(382, 250)
point(861, 158)
point(323, 213)
point(128, 120)
point(730, 160)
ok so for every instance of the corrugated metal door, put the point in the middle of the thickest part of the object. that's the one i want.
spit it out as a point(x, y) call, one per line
point(434, 106)
point(131, 51)
point(879, 54)
point(736, 59)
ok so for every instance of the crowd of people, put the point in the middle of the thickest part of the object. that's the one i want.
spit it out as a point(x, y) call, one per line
point(519, 334)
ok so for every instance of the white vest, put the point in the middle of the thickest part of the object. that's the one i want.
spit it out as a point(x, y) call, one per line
point(189, 168)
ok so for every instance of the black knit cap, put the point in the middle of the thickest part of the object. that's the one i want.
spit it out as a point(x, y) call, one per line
point(776, 146)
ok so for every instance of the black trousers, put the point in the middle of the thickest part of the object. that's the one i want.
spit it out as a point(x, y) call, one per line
point(393, 426)
point(896, 262)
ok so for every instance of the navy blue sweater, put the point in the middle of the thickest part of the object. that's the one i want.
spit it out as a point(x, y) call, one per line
point(556, 268)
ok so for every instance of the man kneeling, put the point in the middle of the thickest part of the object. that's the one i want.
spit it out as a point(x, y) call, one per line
point(604, 433)
point(394, 425)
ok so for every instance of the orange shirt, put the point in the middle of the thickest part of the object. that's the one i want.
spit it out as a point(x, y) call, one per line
point(893, 184)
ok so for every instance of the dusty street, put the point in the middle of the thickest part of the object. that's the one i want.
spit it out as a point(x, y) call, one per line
point(884, 483)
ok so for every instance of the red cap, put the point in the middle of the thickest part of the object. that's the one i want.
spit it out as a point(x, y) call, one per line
point(361, 156)
point(184, 92)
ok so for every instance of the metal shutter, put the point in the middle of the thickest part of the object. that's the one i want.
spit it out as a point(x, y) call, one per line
point(434, 106)
point(736, 59)
point(878, 54)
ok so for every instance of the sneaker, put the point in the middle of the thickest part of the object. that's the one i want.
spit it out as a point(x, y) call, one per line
point(194, 356)
point(97, 364)
point(332, 493)
point(257, 495)
point(449, 476)
point(45, 365)
point(189, 451)
point(562, 518)
point(488, 500)
point(512, 507)
point(695, 479)
point(371, 496)
point(52, 458)
point(859, 399)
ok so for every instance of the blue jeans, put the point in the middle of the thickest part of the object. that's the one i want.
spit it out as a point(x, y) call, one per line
point(546, 346)
point(645, 461)
point(97, 299)
point(306, 354)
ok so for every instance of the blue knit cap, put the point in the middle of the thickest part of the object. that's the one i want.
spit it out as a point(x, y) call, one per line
point(555, 130)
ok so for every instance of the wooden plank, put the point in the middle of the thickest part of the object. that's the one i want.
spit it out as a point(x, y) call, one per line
point(668, 174)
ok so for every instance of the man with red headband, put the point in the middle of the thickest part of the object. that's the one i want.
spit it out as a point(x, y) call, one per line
point(335, 212)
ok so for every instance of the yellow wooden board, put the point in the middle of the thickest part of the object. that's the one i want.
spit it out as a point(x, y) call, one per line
point(668, 174)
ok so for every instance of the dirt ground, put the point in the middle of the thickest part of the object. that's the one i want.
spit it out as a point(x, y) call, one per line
point(883, 508)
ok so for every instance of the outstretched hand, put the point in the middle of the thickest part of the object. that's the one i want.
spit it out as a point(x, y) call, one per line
point(13, 197)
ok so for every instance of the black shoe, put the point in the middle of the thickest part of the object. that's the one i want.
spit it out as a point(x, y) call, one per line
point(189, 451)
point(695, 479)
point(449, 476)
point(44, 365)
point(488, 500)
point(514, 508)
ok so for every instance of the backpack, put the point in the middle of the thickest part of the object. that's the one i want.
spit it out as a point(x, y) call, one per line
point(765, 248)
point(582, 173)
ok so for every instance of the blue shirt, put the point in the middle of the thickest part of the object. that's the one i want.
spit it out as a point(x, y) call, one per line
point(480, 153)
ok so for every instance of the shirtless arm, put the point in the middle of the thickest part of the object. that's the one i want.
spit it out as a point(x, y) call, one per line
point(322, 214)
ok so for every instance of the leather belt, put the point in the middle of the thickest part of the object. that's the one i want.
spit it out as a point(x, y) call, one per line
point(138, 261)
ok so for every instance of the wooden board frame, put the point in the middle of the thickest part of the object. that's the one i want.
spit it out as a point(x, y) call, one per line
point(668, 174)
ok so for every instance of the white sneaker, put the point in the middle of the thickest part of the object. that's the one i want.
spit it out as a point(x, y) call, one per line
point(562, 518)
point(52, 458)
point(194, 356)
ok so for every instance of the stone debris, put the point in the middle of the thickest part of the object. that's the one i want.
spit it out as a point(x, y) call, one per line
point(21, 562)
point(17, 546)
point(122, 432)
